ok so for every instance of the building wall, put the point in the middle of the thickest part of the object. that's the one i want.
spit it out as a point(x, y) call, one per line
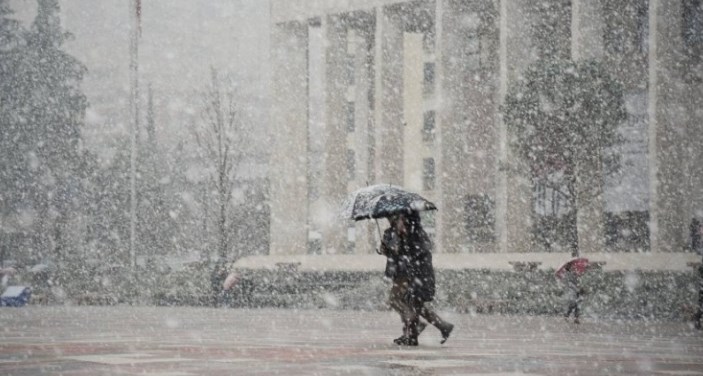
point(477, 49)
point(289, 191)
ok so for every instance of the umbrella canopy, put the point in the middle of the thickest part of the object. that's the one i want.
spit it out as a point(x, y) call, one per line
point(38, 268)
point(8, 271)
point(381, 201)
point(230, 281)
point(577, 265)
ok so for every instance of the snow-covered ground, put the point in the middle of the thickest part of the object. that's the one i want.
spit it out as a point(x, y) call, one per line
point(125, 340)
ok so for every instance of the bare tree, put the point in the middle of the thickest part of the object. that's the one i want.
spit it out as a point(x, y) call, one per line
point(220, 138)
point(564, 118)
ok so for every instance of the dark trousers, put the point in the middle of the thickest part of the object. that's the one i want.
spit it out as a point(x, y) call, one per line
point(411, 311)
point(574, 305)
point(699, 311)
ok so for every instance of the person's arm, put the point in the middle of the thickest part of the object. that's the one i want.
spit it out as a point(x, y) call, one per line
point(389, 244)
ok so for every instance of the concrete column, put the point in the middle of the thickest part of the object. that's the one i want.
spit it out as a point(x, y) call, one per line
point(388, 116)
point(358, 47)
point(514, 209)
point(289, 189)
point(320, 214)
point(334, 234)
point(451, 230)
point(413, 62)
point(587, 27)
point(467, 114)
point(666, 125)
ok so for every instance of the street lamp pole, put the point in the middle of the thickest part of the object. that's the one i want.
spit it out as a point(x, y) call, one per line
point(135, 14)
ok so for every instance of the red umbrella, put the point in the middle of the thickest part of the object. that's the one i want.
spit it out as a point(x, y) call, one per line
point(8, 271)
point(577, 265)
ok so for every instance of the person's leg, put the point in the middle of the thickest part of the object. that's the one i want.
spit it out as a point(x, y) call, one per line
point(395, 296)
point(572, 295)
point(577, 309)
point(411, 320)
point(699, 312)
point(433, 318)
point(397, 303)
point(570, 308)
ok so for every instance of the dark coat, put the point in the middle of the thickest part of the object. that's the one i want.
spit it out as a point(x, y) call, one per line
point(410, 258)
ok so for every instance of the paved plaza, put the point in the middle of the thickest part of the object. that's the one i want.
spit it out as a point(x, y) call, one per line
point(123, 340)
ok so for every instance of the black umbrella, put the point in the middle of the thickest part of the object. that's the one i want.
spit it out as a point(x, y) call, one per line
point(382, 201)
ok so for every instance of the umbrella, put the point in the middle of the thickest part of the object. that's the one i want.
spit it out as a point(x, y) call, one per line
point(8, 271)
point(577, 265)
point(38, 268)
point(381, 201)
point(230, 281)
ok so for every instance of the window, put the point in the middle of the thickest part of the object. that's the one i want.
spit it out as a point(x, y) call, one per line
point(351, 241)
point(350, 71)
point(472, 51)
point(480, 218)
point(428, 126)
point(472, 42)
point(314, 243)
point(428, 174)
point(692, 26)
point(351, 164)
point(350, 117)
point(615, 40)
point(642, 31)
point(428, 78)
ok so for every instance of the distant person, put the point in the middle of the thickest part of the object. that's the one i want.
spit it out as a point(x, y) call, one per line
point(696, 230)
point(574, 293)
point(408, 250)
point(699, 310)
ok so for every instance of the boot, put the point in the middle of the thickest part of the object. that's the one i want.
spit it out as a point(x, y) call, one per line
point(444, 327)
point(412, 332)
point(406, 341)
point(446, 330)
point(404, 338)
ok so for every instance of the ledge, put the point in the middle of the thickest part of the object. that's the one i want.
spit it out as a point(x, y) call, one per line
point(651, 261)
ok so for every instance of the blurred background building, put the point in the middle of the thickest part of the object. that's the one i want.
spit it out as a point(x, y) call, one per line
point(341, 94)
point(409, 92)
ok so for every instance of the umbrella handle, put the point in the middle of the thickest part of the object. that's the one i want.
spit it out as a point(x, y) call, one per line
point(378, 250)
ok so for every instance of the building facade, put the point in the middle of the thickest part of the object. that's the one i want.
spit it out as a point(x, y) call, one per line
point(409, 93)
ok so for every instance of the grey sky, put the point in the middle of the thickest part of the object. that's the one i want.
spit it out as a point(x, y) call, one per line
point(181, 40)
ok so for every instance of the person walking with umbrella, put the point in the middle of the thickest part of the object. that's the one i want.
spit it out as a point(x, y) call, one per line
point(408, 252)
point(699, 310)
point(408, 249)
point(569, 273)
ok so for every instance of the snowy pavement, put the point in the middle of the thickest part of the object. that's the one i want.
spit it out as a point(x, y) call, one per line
point(163, 341)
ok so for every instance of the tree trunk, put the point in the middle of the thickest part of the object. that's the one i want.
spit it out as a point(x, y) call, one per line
point(223, 215)
point(574, 202)
point(573, 229)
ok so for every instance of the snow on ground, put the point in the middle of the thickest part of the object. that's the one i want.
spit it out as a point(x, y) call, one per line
point(195, 341)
